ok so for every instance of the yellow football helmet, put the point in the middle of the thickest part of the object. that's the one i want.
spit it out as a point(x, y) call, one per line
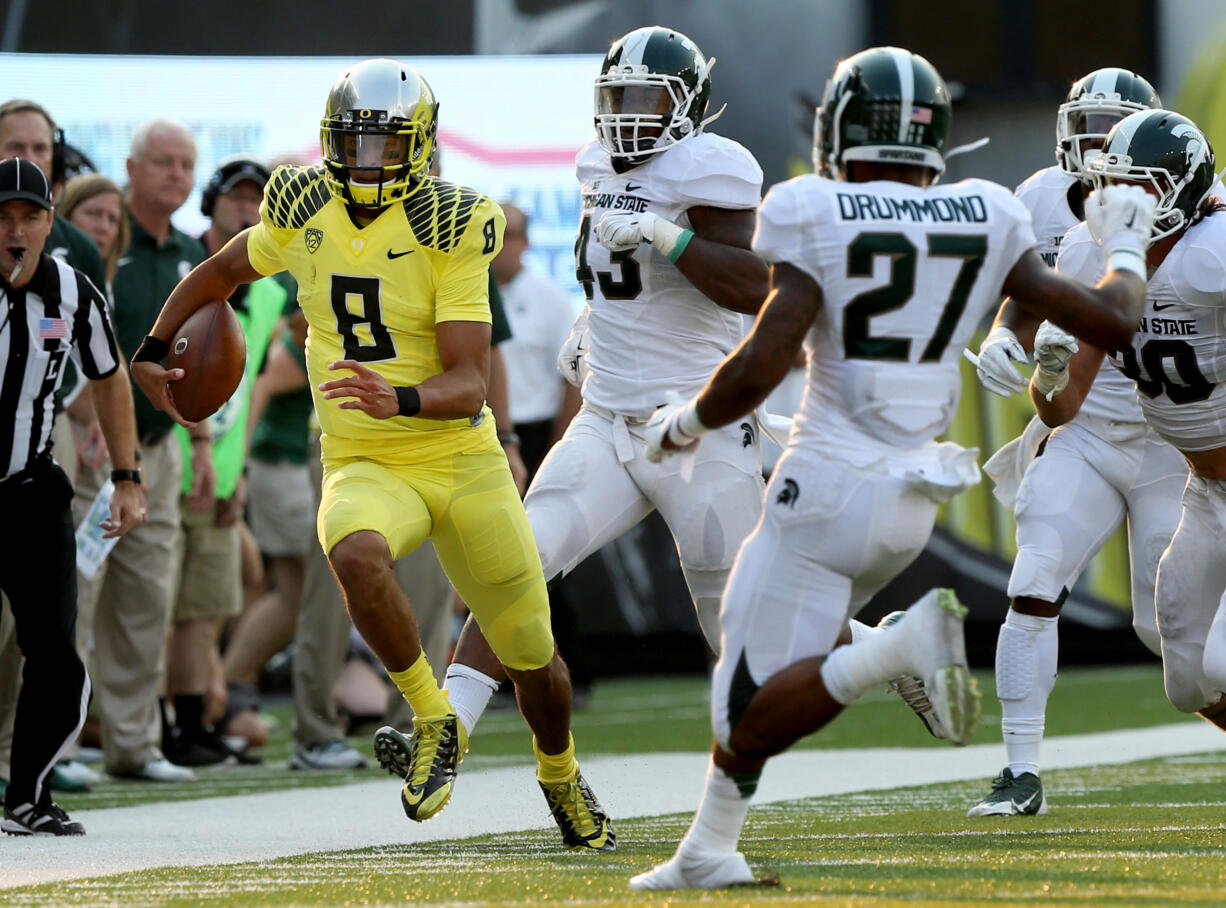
point(377, 133)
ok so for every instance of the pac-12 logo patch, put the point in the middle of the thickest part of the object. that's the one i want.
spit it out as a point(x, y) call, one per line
point(314, 237)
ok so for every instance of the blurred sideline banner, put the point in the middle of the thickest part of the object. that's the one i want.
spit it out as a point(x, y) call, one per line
point(509, 127)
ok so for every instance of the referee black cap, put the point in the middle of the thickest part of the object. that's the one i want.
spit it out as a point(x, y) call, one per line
point(24, 180)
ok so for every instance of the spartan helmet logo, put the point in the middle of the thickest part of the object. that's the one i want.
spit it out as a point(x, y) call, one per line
point(314, 237)
point(791, 491)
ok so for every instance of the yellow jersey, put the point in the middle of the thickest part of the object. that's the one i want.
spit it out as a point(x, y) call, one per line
point(374, 294)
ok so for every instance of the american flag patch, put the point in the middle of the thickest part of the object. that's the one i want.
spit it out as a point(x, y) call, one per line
point(921, 114)
point(52, 328)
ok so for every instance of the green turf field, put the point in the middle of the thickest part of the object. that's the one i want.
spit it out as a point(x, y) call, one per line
point(1147, 833)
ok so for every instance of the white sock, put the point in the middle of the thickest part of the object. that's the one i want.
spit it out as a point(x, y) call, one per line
point(1027, 651)
point(469, 692)
point(874, 659)
point(717, 824)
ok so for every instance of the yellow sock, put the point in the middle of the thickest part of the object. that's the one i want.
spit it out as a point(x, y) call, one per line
point(553, 769)
point(421, 690)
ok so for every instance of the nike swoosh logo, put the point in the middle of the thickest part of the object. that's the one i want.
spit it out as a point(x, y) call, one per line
point(1159, 307)
point(396, 255)
point(630, 187)
point(1021, 806)
point(413, 797)
point(1131, 219)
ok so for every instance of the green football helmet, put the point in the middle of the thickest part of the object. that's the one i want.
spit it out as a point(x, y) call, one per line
point(885, 105)
point(1095, 103)
point(652, 92)
point(1163, 150)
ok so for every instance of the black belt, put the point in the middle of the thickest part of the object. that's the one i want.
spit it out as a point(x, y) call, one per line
point(40, 465)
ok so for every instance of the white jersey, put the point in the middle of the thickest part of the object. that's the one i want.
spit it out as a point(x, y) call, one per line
point(1046, 196)
point(1112, 397)
point(906, 274)
point(540, 314)
point(650, 330)
point(1178, 356)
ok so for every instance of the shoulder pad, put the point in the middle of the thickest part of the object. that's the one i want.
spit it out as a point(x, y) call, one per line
point(439, 212)
point(294, 195)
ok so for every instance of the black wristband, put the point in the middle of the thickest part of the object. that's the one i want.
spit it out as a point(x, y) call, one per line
point(125, 476)
point(151, 350)
point(508, 438)
point(409, 400)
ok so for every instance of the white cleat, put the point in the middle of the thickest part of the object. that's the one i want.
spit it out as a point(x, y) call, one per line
point(912, 690)
point(710, 871)
point(938, 652)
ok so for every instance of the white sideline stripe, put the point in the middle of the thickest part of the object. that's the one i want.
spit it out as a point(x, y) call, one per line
point(256, 827)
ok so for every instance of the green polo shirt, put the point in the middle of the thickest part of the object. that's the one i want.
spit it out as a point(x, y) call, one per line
point(71, 244)
point(283, 434)
point(146, 276)
point(500, 328)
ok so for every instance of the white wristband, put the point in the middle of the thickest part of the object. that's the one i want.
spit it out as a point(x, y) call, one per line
point(665, 236)
point(688, 426)
point(1050, 385)
point(1126, 258)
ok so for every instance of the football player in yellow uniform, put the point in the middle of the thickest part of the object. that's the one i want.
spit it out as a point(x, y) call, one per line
point(392, 269)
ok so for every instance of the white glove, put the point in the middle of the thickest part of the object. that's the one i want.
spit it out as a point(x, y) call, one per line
point(572, 357)
point(1053, 348)
point(996, 368)
point(619, 231)
point(1121, 219)
point(679, 423)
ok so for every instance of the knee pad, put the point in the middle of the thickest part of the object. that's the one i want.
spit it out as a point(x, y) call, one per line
point(709, 530)
point(1016, 654)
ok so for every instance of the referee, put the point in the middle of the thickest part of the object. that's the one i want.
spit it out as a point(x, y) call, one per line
point(48, 308)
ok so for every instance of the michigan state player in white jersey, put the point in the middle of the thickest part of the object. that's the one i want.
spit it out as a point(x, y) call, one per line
point(1177, 361)
point(882, 275)
point(1096, 470)
point(663, 256)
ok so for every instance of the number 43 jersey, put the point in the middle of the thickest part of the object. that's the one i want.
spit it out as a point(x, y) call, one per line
point(1178, 355)
point(374, 294)
point(906, 274)
point(650, 330)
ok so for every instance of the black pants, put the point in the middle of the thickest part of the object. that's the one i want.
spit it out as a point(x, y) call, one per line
point(38, 574)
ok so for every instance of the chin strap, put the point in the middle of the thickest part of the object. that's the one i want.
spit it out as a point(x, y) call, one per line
point(711, 119)
point(969, 146)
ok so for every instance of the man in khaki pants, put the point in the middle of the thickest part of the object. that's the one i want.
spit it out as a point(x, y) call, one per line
point(128, 603)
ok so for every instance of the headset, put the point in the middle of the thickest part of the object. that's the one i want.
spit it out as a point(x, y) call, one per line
point(58, 151)
point(225, 170)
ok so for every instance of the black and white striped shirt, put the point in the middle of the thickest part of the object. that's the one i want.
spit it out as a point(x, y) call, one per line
point(39, 324)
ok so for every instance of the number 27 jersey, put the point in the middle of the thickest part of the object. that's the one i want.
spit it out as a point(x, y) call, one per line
point(906, 274)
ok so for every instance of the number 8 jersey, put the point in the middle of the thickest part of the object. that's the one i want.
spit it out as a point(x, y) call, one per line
point(650, 330)
point(906, 274)
point(374, 294)
point(1178, 355)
